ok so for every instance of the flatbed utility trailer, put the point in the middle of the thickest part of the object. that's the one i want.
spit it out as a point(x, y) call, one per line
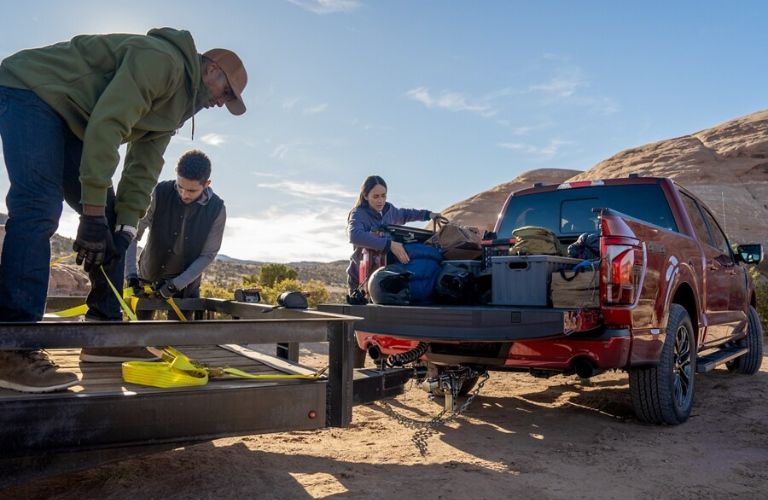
point(103, 418)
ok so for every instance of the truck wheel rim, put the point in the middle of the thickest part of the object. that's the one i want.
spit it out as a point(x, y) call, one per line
point(683, 368)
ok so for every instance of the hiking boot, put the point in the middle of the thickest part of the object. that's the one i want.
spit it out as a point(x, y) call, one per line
point(116, 354)
point(33, 371)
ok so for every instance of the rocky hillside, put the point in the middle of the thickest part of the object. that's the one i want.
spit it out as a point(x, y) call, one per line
point(726, 166)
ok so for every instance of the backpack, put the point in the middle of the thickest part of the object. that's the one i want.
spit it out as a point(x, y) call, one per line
point(456, 242)
point(535, 240)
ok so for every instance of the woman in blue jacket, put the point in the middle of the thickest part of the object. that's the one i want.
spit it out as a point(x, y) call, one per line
point(370, 213)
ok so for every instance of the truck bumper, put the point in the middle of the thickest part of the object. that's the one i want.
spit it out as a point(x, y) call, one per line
point(606, 349)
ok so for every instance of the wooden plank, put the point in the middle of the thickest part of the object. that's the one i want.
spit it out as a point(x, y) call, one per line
point(107, 377)
point(280, 364)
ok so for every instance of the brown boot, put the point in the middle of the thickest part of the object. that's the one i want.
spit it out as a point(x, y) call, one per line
point(33, 371)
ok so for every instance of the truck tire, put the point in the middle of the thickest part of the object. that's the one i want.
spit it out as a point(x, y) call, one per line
point(434, 370)
point(749, 364)
point(663, 394)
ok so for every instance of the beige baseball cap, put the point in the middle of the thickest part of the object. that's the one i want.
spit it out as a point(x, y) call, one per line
point(236, 75)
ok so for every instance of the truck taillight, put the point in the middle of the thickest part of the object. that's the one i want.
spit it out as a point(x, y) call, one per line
point(623, 270)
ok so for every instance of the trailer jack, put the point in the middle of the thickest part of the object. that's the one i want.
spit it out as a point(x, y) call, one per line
point(452, 382)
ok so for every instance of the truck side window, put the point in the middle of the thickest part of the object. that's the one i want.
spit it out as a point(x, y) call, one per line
point(721, 242)
point(697, 220)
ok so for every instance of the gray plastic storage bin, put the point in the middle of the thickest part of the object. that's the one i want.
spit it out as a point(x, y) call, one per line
point(524, 280)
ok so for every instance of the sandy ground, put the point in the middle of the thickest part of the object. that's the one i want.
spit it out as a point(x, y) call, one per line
point(522, 437)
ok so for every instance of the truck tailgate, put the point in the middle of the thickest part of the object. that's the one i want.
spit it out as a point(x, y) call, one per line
point(457, 323)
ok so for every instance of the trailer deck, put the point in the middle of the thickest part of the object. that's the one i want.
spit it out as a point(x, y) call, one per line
point(103, 418)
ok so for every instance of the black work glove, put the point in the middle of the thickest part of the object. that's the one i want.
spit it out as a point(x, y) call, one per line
point(166, 289)
point(133, 282)
point(94, 244)
point(120, 242)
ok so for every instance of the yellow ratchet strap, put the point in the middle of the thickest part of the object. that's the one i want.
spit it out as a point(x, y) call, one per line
point(55, 262)
point(177, 370)
point(83, 308)
point(176, 309)
point(70, 313)
point(127, 310)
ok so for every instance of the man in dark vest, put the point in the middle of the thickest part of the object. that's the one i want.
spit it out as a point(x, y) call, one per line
point(186, 224)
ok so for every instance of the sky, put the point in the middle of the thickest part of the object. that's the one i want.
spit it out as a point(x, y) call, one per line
point(443, 99)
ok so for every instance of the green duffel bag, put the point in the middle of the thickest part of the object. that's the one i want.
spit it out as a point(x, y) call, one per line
point(535, 240)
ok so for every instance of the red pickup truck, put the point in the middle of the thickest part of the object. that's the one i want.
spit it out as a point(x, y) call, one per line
point(675, 298)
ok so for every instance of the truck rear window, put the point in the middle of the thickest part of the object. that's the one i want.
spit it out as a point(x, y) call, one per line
point(568, 212)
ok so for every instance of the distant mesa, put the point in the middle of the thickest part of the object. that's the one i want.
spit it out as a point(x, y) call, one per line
point(726, 166)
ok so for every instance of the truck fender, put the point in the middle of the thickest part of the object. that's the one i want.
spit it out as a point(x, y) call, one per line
point(680, 275)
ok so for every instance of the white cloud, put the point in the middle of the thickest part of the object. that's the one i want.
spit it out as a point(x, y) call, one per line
point(214, 139)
point(333, 193)
point(451, 101)
point(280, 151)
point(548, 151)
point(266, 174)
point(68, 223)
point(327, 6)
point(560, 86)
point(290, 103)
point(312, 110)
point(277, 236)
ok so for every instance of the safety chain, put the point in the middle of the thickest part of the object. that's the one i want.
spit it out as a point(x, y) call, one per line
point(425, 429)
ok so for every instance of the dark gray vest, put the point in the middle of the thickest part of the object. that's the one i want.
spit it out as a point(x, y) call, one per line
point(166, 227)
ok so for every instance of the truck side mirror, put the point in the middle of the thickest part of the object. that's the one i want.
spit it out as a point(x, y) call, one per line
point(751, 253)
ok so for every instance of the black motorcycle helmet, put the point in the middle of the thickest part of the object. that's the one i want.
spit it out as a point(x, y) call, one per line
point(390, 285)
point(455, 285)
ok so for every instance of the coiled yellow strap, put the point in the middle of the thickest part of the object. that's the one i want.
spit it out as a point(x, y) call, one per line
point(178, 370)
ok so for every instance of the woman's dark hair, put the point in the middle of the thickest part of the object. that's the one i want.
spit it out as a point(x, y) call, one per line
point(370, 182)
point(195, 166)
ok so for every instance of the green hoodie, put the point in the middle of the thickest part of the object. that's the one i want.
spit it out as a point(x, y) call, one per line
point(113, 89)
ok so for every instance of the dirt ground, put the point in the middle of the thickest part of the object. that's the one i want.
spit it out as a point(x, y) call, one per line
point(522, 437)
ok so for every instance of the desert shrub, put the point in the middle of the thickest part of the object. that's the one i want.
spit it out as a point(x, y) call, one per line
point(208, 289)
point(272, 274)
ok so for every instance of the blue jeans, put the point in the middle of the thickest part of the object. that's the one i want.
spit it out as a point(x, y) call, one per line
point(42, 157)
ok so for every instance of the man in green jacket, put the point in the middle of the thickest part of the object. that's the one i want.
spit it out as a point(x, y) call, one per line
point(65, 110)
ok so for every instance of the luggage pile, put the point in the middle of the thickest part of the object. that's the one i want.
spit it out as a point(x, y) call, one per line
point(456, 265)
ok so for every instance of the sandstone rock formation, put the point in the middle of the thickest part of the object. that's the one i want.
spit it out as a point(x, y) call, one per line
point(68, 279)
point(726, 166)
